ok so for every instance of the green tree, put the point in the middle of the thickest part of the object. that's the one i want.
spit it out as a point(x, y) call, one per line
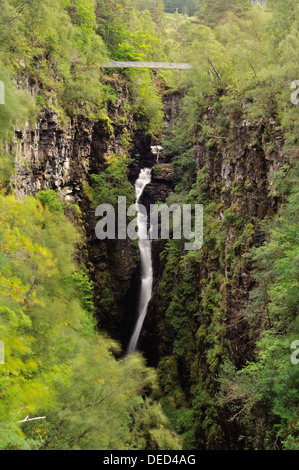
point(214, 12)
point(57, 365)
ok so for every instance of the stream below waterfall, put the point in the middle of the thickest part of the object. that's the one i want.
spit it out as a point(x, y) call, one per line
point(145, 248)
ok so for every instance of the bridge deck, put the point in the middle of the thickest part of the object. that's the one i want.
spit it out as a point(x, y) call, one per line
point(147, 65)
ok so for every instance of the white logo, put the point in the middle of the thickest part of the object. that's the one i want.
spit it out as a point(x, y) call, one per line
point(295, 94)
point(159, 217)
point(295, 354)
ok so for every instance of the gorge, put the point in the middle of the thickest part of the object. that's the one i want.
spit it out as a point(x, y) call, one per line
point(141, 344)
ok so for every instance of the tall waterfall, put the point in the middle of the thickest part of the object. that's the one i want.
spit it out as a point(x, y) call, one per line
point(145, 249)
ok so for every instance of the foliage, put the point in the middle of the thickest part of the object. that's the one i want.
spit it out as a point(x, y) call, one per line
point(56, 365)
point(225, 345)
point(187, 7)
point(112, 182)
point(50, 199)
point(54, 44)
point(59, 47)
point(272, 379)
point(225, 368)
point(214, 12)
point(18, 107)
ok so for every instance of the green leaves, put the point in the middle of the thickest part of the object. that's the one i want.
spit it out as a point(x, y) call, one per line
point(214, 12)
point(112, 182)
point(17, 108)
point(56, 364)
point(50, 199)
point(274, 309)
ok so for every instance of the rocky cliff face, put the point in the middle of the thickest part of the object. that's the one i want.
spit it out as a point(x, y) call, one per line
point(60, 156)
point(52, 156)
point(195, 317)
point(198, 306)
point(239, 179)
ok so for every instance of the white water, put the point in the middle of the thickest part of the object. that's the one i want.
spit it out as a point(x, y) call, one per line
point(145, 249)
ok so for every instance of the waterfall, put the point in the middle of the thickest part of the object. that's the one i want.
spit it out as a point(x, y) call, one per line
point(145, 248)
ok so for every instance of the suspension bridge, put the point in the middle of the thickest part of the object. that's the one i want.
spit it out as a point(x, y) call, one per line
point(112, 64)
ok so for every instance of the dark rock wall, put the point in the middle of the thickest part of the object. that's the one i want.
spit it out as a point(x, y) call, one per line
point(52, 156)
point(62, 156)
point(199, 323)
point(239, 177)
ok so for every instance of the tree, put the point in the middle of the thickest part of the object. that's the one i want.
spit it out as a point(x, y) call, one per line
point(213, 12)
point(57, 364)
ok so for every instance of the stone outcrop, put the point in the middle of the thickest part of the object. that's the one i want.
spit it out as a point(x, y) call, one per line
point(52, 156)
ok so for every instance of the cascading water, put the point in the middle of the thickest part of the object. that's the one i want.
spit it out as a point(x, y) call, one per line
point(145, 249)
